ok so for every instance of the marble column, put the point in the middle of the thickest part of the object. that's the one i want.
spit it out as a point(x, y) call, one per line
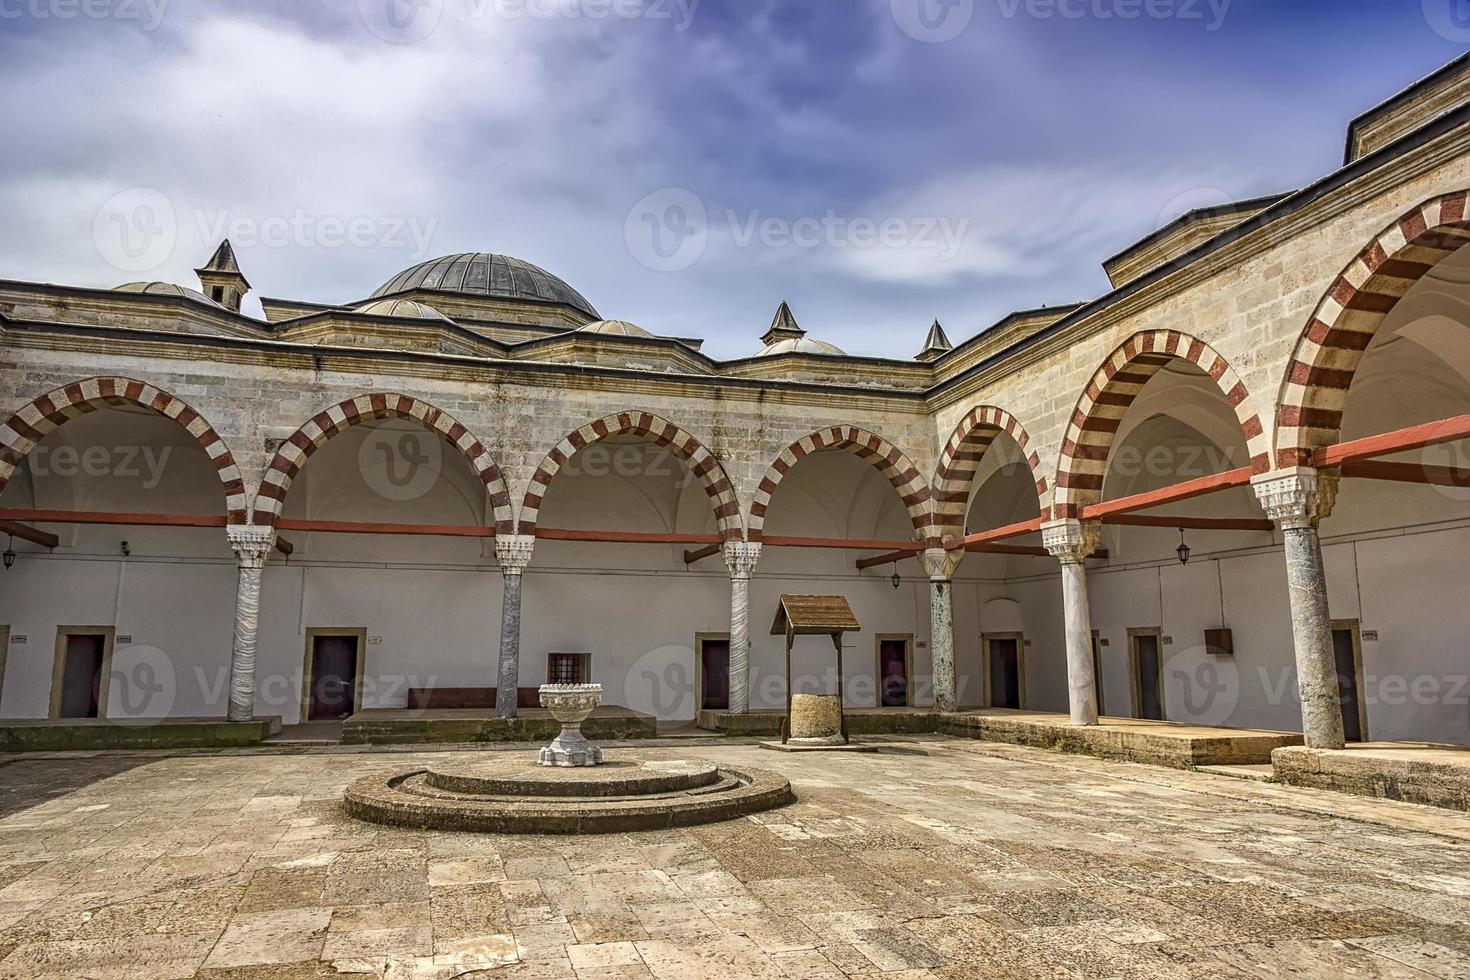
point(941, 565)
point(1298, 500)
point(1071, 541)
point(514, 553)
point(252, 546)
point(740, 558)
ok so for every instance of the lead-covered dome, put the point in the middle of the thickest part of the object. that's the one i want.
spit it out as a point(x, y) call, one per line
point(615, 328)
point(800, 345)
point(399, 308)
point(167, 289)
point(483, 274)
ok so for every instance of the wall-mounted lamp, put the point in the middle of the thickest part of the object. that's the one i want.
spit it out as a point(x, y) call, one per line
point(1183, 550)
point(127, 550)
point(9, 555)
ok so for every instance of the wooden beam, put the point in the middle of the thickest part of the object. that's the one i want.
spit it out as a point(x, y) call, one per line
point(1192, 523)
point(1168, 495)
point(1435, 476)
point(1397, 441)
point(690, 557)
point(357, 527)
point(624, 537)
point(998, 534)
point(284, 547)
point(907, 547)
point(130, 520)
point(888, 559)
point(27, 533)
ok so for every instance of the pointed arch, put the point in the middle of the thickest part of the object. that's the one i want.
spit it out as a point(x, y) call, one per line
point(651, 428)
point(305, 441)
point(1100, 410)
point(962, 456)
point(1331, 347)
point(23, 430)
point(887, 458)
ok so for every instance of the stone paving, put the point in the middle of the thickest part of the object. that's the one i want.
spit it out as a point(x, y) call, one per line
point(938, 858)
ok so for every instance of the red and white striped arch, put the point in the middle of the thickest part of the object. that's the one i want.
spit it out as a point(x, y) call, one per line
point(962, 456)
point(1100, 410)
point(882, 454)
point(652, 428)
point(1327, 355)
point(305, 441)
point(23, 430)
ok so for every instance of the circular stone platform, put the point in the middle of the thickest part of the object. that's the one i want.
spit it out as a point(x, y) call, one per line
point(514, 795)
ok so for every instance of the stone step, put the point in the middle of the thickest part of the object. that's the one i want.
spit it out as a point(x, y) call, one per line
point(1260, 773)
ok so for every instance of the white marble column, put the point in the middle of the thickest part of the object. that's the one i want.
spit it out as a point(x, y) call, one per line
point(941, 565)
point(741, 558)
point(252, 546)
point(1072, 541)
point(513, 551)
point(1298, 500)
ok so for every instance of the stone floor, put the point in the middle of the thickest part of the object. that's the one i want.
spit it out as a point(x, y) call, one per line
point(935, 858)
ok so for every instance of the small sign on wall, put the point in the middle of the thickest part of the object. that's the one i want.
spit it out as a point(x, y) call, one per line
point(375, 641)
point(18, 639)
point(125, 639)
point(1168, 641)
point(1370, 636)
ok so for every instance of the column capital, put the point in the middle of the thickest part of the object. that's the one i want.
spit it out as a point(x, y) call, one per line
point(1297, 498)
point(1070, 539)
point(741, 557)
point(513, 552)
point(252, 543)
point(941, 564)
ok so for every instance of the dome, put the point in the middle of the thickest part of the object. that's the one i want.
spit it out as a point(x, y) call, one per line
point(166, 289)
point(800, 345)
point(399, 308)
point(482, 274)
point(615, 328)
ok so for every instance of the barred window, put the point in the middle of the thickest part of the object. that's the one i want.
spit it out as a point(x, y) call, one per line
point(566, 668)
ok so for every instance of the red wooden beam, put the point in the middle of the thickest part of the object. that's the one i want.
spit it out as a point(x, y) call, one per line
point(888, 559)
point(1397, 441)
point(907, 547)
point(357, 527)
point(131, 520)
point(1435, 476)
point(998, 534)
point(1168, 495)
point(1192, 523)
point(27, 533)
point(690, 557)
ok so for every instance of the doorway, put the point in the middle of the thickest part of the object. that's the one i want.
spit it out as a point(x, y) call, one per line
point(81, 672)
point(1148, 673)
point(1347, 651)
point(895, 670)
point(4, 654)
point(1005, 671)
point(1097, 670)
point(333, 676)
point(712, 671)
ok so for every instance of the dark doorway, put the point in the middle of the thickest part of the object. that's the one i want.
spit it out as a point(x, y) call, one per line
point(1005, 673)
point(1097, 670)
point(1349, 692)
point(1148, 673)
point(893, 673)
point(81, 675)
point(714, 675)
point(333, 677)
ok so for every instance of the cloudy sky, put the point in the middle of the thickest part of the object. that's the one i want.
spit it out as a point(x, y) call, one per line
point(686, 164)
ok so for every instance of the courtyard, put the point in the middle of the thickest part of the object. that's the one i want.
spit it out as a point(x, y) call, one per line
point(932, 858)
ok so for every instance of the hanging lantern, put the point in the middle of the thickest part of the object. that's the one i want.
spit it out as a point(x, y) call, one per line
point(1183, 550)
point(896, 580)
point(9, 555)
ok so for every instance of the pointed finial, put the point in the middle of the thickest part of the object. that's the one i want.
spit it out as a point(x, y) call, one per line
point(783, 326)
point(221, 278)
point(936, 346)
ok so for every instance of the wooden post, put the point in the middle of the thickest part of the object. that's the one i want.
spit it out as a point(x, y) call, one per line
point(786, 722)
point(841, 708)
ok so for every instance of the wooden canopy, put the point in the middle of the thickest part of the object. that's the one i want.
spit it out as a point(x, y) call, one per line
point(814, 615)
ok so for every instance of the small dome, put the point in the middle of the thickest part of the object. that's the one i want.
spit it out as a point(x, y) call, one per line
point(167, 289)
point(615, 328)
point(481, 274)
point(400, 308)
point(801, 345)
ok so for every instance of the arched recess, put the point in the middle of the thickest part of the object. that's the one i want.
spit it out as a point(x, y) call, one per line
point(1330, 349)
point(882, 454)
point(23, 430)
point(966, 449)
point(659, 431)
point(1100, 410)
point(305, 441)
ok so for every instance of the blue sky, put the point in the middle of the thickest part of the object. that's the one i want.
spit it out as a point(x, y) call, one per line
point(686, 164)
